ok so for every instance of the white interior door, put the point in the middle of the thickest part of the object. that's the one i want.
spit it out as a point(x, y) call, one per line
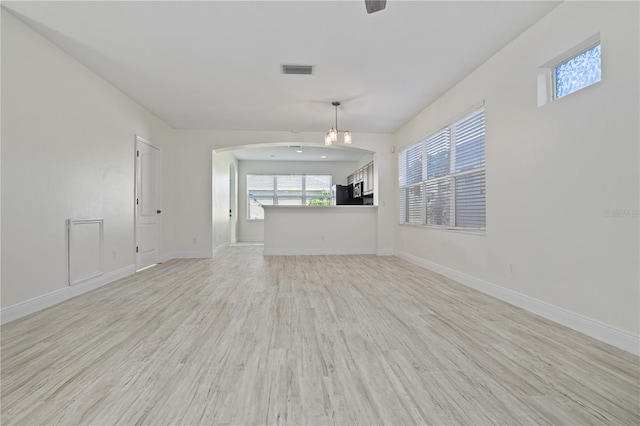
point(147, 203)
point(232, 204)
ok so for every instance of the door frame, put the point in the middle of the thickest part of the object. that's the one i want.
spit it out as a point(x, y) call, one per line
point(233, 203)
point(137, 140)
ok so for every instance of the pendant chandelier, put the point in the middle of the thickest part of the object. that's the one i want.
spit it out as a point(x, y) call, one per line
point(332, 134)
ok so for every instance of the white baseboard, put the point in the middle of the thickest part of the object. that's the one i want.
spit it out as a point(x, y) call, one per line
point(316, 252)
point(39, 303)
point(220, 248)
point(204, 254)
point(250, 238)
point(385, 252)
point(596, 329)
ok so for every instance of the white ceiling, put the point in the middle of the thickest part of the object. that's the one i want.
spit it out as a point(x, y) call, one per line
point(301, 152)
point(216, 64)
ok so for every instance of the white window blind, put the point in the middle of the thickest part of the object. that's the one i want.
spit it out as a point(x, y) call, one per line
point(438, 202)
point(448, 190)
point(411, 204)
point(412, 160)
point(288, 190)
point(260, 191)
point(438, 149)
point(469, 135)
point(317, 189)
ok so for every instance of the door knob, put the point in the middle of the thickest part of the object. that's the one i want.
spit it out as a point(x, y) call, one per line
point(158, 211)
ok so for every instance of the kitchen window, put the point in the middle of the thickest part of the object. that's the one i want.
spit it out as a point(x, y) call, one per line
point(285, 190)
point(442, 177)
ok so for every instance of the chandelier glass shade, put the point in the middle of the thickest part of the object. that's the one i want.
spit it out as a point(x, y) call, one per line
point(332, 135)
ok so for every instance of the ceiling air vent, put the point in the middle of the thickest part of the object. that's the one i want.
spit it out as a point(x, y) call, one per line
point(297, 69)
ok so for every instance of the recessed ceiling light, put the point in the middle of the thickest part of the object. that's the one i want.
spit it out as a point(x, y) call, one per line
point(299, 151)
point(323, 156)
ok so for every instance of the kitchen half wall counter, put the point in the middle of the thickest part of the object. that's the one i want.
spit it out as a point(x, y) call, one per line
point(309, 230)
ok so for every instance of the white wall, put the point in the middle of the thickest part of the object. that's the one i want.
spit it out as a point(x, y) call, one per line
point(67, 152)
point(193, 182)
point(253, 230)
point(552, 173)
point(320, 230)
point(366, 159)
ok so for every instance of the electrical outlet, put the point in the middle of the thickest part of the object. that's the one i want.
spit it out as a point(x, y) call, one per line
point(115, 254)
point(512, 269)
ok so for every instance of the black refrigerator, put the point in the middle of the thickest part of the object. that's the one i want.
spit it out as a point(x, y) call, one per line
point(343, 195)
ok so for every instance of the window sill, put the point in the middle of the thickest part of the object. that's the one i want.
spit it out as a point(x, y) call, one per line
point(470, 231)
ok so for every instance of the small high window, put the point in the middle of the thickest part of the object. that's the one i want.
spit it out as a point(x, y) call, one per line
point(578, 72)
point(575, 69)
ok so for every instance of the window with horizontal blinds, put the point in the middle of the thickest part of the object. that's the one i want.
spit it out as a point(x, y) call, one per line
point(413, 162)
point(260, 191)
point(469, 136)
point(413, 201)
point(438, 149)
point(317, 190)
point(287, 190)
point(449, 189)
point(438, 202)
point(470, 201)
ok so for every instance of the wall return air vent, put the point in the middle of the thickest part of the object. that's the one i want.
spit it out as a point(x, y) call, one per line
point(297, 69)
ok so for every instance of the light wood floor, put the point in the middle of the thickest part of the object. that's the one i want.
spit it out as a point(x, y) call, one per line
point(242, 339)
